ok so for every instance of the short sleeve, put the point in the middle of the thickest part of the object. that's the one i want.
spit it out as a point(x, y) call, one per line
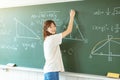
point(58, 38)
point(55, 39)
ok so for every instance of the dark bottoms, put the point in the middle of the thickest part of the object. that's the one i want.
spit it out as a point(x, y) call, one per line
point(51, 76)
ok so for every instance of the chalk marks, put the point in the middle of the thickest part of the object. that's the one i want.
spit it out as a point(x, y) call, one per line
point(107, 47)
point(33, 35)
point(41, 16)
point(28, 45)
point(76, 34)
point(108, 11)
point(3, 30)
point(25, 36)
point(9, 47)
point(28, 34)
point(115, 28)
point(69, 52)
point(97, 49)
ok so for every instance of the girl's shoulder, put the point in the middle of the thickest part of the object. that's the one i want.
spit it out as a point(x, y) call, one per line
point(53, 36)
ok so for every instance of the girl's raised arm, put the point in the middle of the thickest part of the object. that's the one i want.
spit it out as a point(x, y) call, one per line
point(70, 25)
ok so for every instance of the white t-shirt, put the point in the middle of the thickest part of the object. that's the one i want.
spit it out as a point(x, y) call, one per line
point(52, 53)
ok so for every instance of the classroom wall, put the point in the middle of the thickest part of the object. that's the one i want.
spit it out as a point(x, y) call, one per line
point(14, 3)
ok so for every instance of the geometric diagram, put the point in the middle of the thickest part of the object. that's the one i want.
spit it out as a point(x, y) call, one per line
point(79, 36)
point(24, 32)
point(107, 47)
point(33, 34)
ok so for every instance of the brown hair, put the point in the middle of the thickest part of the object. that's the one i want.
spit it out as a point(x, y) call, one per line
point(47, 24)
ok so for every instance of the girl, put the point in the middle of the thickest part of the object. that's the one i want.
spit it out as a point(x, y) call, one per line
point(53, 59)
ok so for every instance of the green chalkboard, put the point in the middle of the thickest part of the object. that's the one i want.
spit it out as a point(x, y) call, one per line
point(92, 48)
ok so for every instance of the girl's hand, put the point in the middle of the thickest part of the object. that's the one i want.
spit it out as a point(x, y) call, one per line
point(72, 13)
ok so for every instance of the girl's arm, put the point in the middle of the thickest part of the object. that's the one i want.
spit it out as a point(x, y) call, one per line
point(70, 25)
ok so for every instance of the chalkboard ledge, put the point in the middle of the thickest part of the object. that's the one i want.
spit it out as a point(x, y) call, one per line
point(5, 67)
point(69, 74)
point(86, 76)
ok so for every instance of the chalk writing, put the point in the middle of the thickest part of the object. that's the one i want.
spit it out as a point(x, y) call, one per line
point(3, 29)
point(107, 27)
point(70, 51)
point(28, 45)
point(108, 11)
point(9, 47)
point(18, 22)
point(40, 17)
point(96, 50)
point(33, 35)
point(79, 37)
point(5, 32)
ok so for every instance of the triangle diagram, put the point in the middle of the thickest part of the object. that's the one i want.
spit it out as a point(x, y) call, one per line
point(23, 31)
point(76, 32)
point(100, 48)
point(115, 45)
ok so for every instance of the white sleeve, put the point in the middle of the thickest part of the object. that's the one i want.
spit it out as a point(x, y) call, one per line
point(57, 39)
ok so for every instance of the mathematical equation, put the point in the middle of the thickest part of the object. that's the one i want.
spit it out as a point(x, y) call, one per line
point(107, 27)
point(108, 11)
point(3, 29)
point(26, 46)
point(40, 17)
